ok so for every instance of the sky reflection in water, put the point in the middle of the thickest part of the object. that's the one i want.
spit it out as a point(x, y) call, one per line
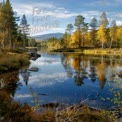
point(71, 79)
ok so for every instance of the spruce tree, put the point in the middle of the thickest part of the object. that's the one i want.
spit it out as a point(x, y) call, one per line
point(93, 25)
point(8, 26)
point(2, 25)
point(81, 27)
point(11, 25)
point(24, 26)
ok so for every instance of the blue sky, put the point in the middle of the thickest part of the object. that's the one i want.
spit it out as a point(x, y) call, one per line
point(46, 16)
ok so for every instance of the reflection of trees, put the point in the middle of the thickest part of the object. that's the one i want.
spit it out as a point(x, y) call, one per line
point(93, 62)
point(101, 74)
point(113, 71)
point(93, 74)
point(78, 79)
point(112, 60)
point(76, 64)
point(25, 75)
point(65, 59)
point(84, 61)
point(80, 67)
point(10, 82)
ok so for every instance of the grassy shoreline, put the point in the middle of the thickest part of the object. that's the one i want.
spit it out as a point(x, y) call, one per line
point(103, 51)
point(14, 111)
point(91, 51)
point(11, 60)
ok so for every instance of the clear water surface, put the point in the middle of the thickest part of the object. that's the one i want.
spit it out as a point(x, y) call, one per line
point(72, 78)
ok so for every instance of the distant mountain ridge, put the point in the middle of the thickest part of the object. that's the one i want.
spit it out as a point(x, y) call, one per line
point(44, 37)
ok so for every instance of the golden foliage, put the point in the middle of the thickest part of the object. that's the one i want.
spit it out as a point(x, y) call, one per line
point(119, 33)
point(75, 38)
point(101, 34)
point(76, 63)
point(101, 74)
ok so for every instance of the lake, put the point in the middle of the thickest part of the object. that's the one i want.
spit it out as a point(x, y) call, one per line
point(70, 78)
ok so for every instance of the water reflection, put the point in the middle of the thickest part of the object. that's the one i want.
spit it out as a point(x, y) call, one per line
point(9, 82)
point(65, 60)
point(71, 78)
point(25, 75)
point(100, 69)
point(81, 66)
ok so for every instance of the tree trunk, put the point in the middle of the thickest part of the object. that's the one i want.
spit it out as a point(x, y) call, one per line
point(79, 42)
point(102, 44)
point(9, 38)
point(24, 41)
point(3, 42)
point(79, 45)
point(111, 44)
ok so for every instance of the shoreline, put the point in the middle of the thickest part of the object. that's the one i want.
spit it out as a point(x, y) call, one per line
point(12, 61)
point(81, 112)
point(90, 51)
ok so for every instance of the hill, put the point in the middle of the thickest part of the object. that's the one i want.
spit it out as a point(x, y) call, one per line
point(44, 37)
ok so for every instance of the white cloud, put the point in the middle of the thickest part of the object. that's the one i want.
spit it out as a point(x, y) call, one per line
point(23, 9)
point(47, 80)
point(119, 15)
point(54, 13)
point(50, 12)
point(31, 7)
point(22, 96)
point(64, 15)
point(119, 22)
point(90, 14)
point(42, 9)
point(42, 61)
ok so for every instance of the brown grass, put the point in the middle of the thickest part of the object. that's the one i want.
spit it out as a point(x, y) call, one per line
point(13, 61)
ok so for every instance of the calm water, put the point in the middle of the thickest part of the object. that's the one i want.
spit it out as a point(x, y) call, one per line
point(72, 78)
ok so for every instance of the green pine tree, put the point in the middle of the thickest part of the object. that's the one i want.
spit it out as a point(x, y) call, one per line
point(8, 25)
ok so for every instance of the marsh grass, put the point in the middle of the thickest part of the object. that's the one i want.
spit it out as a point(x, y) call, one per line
point(11, 111)
point(12, 61)
point(85, 114)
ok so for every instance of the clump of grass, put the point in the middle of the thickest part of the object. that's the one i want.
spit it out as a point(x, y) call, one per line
point(13, 61)
point(16, 112)
point(85, 114)
point(47, 116)
point(5, 100)
point(88, 115)
point(11, 111)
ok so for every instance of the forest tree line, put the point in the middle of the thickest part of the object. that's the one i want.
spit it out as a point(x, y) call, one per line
point(96, 34)
point(14, 30)
point(100, 33)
